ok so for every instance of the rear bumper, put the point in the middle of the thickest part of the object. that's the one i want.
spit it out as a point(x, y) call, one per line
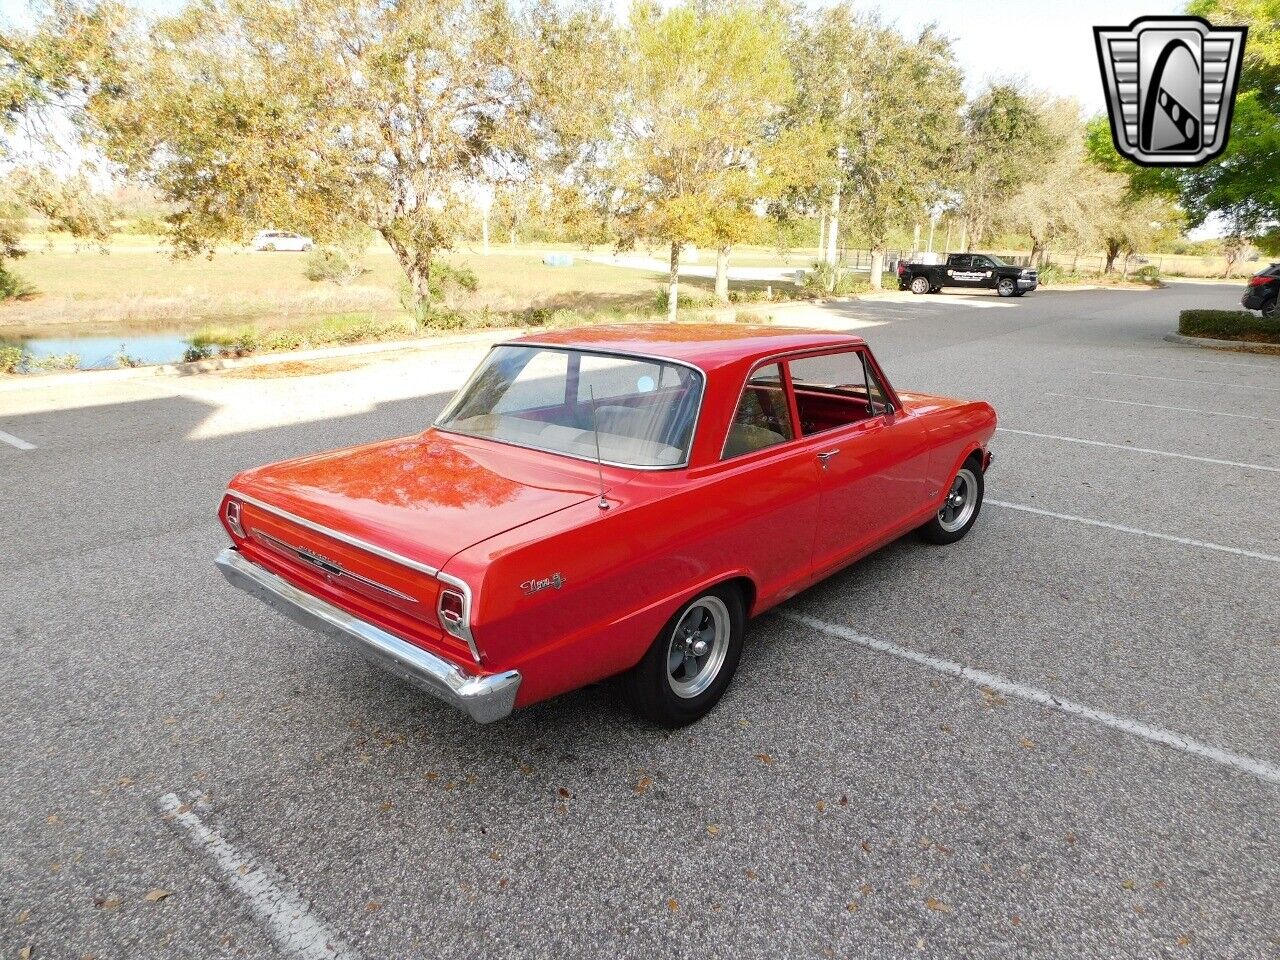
point(1255, 298)
point(485, 697)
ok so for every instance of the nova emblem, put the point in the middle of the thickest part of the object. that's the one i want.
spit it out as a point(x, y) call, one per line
point(1170, 84)
point(530, 587)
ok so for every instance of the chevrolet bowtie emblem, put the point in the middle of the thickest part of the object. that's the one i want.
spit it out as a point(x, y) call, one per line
point(1171, 86)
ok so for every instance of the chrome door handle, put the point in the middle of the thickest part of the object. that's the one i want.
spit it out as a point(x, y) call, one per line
point(826, 455)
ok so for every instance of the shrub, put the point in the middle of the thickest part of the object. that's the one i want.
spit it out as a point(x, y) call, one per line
point(333, 264)
point(123, 359)
point(13, 287)
point(194, 354)
point(824, 280)
point(1148, 274)
point(684, 300)
point(10, 359)
point(1229, 325)
point(56, 361)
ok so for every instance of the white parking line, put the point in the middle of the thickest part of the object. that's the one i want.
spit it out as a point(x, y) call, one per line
point(1161, 406)
point(1125, 446)
point(1217, 363)
point(1203, 383)
point(13, 441)
point(285, 914)
point(1153, 534)
point(1009, 688)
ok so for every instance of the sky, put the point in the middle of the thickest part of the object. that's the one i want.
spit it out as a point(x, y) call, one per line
point(1050, 44)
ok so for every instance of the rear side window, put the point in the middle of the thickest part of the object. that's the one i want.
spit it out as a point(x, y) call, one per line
point(763, 418)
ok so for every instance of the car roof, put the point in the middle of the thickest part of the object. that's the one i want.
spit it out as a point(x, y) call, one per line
point(705, 345)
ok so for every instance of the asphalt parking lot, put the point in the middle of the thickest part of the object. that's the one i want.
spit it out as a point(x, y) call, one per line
point(1057, 737)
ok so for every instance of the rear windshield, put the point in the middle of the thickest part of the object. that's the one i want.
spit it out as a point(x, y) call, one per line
point(641, 411)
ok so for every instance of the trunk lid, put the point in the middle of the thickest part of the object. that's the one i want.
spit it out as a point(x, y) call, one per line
point(368, 527)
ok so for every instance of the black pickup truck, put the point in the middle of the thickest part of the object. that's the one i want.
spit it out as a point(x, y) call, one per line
point(978, 271)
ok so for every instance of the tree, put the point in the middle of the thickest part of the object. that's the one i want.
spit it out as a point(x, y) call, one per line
point(1146, 211)
point(1070, 198)
point(889, 108)
point(48, 74)
point(1242, 186)
point(701, 84)
point(1003, 146)
point(328, 114)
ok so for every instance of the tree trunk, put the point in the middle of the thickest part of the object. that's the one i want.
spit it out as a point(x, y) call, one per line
point(416, 264)
point(877, 268)
point(722, 274)
point(513, 236)
point(484, 229)
point(1113, 251)
point(822, 234)
point(673, 281)
point(833, 228)
point(1035, 251)
point(964, 236)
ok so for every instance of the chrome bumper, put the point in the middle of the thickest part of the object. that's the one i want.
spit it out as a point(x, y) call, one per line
point(486, 697)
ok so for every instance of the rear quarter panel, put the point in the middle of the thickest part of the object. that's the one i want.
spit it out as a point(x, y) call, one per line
point(627, 570)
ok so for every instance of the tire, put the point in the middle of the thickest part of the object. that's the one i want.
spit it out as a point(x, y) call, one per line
point(955, 519)
point(1019, 293)
point(663, 687)
point(269, 248)
point(919, 285)
point(1006, 287)
point(1271, 307)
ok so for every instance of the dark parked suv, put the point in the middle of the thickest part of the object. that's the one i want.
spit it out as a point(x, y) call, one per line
point(1262, 291)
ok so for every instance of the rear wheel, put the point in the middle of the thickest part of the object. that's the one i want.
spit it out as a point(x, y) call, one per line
point(920, 285)
point(1006, 287)
point(960, 508)
point(1272, 307)
point(692, 660)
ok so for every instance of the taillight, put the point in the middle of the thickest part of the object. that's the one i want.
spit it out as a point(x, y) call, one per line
point(232, 513)
point(453, 610)
point(902, 268)
point(1260, 281)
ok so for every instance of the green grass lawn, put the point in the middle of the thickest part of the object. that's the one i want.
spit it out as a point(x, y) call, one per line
point(136, 287)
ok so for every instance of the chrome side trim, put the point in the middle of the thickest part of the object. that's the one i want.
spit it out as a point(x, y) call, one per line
point(345, 538)
point(325, 565)
point(485, 697)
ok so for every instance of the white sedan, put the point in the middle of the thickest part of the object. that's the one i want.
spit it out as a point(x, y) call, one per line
point(280, 240)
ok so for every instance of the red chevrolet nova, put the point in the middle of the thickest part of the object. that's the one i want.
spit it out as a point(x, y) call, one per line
point(604, 501)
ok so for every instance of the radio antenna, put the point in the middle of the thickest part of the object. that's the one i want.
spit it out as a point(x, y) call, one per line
point(603, 504)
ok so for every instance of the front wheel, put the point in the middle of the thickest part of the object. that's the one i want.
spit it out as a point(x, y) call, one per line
point(920, 285)
point(959, 511)
point(692, 660)
point(1006, 287)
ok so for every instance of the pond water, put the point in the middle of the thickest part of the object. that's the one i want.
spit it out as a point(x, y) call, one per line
point(100, 352)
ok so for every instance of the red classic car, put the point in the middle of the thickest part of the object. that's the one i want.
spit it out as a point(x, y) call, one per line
point(616, 500)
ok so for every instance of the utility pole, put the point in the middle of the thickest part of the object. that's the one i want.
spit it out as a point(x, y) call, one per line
point(932, 223)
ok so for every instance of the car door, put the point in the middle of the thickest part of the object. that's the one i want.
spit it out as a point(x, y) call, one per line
point(982, 270)
point(960, 272)
point(772, 482)
point(872, 456)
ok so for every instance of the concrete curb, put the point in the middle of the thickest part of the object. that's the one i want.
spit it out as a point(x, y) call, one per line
point(212, 365)
point(1237, 346)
